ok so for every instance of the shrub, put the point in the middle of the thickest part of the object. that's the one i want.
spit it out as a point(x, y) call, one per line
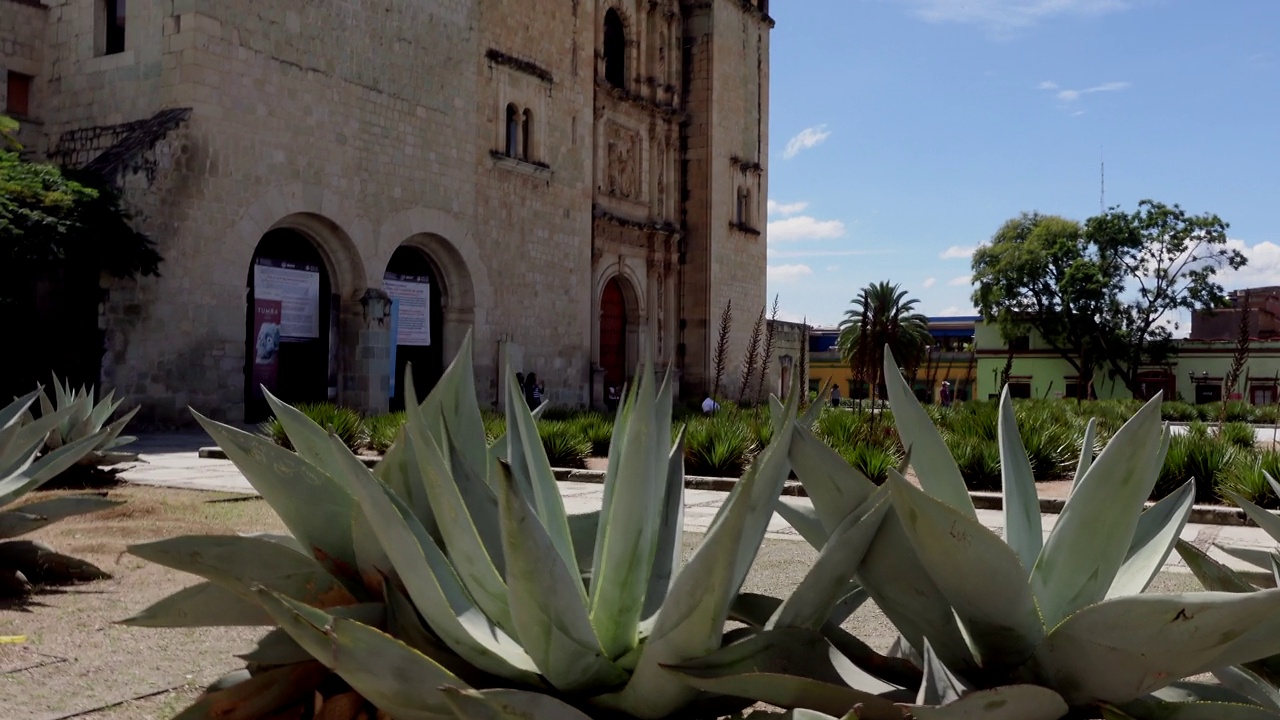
point(495, 425)
point(978, 460)
point(1238, 433)
point(564, 443)
point(597, 429)
point(1239, 411)
point(1245, 477)
point(1178, 411)
point(1052, 440)
point(1266, 414)
point(1202, 457)
point(558, 413)
point(873, 461)
point(382, 430)
point(344, 422)
point(718, 446)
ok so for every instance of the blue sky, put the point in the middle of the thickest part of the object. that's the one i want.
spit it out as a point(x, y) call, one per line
point(903, 133)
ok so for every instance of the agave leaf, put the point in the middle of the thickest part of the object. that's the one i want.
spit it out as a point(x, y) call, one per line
point(13, 414)
point(1211, 573)
point(204, 604)
point(1269, 523)
point(240, 563)
point(1124, 648)
point(855, 596)
point(800, 514)
point(826, 583)
point(1010, 702)
point(432, 582)
point(505, 704)
point(396, 471)
point(1091, 538)
point(897, 580)
point(1022, 526)
point(36, 515)
point(835, 488)
point(279, 648)
point(1157, 532)
point(935, 468)
point(259, 696)
point(999, 611)
point(466, 549)
point(1086, 452)
point(1250, 685)
point(1257, 557)
point(404, 623)
point(939, 686)
point(666, 561)
point(583, 528)
point(1189, 691)
point(628, 537)
point(811, 413)
point(395, 677)
point(477, 492)
point(549, 611)
point(111, 434)
point(691, 621)
point(371, 559)
point(461, 411)
point(19, 439)
point(529, 466)
point(1160, 710)
point(315, 508)
point(788, 668)
point(37, 473)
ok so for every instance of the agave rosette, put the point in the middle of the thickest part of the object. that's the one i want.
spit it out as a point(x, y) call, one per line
point(80, 417)
point(23, 468)
point(450, 581)
point(1028, 626)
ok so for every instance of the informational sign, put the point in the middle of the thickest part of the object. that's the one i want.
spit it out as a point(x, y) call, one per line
point(266, 344)
point(412, 293)
point(296, 286)
point(395, 326)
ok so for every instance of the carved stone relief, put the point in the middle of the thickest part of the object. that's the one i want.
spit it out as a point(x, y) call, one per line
point(623, 147)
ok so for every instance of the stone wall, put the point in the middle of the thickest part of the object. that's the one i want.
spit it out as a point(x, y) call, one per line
point(22, 31)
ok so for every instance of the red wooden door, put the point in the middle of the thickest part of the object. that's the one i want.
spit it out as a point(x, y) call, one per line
point(613, 334)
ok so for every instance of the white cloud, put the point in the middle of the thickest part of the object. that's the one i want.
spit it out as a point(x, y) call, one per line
point(1008, 14)
point(786, 209)
point(929, 282)
point(788, 273)
point(788, 316)
point(1068, 95)
point(833, 268)
point(1263, 268)
point(957, 252)
point(955, 310)
point(807, 139)
point(804, 227)
point(780, 254)
point(962, 280)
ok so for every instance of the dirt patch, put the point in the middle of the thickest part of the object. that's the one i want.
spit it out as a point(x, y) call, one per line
point(75, 657)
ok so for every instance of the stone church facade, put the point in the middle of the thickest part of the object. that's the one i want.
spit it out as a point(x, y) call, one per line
point(573, 180)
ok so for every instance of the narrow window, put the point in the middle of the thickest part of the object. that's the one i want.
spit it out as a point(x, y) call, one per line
point(18, 100)
point(615, 50)
point(513, 131)
point(526, 136)
point(743, 216)
point(114, 26)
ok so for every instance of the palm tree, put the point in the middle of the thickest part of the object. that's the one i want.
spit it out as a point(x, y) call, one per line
point(882, 315)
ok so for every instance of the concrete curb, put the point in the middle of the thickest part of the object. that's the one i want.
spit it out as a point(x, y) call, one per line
point(1200, 514)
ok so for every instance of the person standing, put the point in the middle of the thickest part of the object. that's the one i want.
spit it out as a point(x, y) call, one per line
point(532, 391)
point(835, 396)
point(945, 394)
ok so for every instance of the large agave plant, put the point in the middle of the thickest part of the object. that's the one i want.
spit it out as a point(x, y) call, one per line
point(1026, 626)
point(451, 582)
point(81, 418)
point(22, 469)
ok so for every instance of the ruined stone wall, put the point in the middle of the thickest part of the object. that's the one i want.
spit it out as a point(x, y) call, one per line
point(22, 36)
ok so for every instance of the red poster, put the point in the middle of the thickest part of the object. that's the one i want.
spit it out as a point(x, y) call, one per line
point(266, 344)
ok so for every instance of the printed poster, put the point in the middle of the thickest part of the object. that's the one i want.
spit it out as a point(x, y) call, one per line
point(412, 295)
point(266, 344)
point(296, 287)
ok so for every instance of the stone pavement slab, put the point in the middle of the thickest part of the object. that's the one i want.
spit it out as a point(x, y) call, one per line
point(171, 461)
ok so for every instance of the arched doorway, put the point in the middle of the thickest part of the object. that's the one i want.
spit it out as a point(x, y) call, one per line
point(290, 336)
point(613, 334)
point(417, 322)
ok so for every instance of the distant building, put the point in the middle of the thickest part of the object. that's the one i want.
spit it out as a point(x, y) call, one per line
point(950, 359)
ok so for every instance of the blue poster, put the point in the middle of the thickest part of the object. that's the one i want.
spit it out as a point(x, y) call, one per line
point(393, 340)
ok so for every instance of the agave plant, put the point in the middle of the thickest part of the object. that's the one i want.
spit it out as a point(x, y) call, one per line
point(81, 418)
point(22, 469)
point(451, 582)
point(1027, 626)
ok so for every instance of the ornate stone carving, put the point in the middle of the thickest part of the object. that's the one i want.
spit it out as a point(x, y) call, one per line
point(623, 161)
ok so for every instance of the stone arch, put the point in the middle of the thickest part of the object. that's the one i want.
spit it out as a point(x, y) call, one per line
point(615, 12)
point(617, 354)
point(465, 290)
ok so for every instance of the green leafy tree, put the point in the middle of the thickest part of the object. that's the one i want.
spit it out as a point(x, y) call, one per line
point(882, 315)
point(1099, 293)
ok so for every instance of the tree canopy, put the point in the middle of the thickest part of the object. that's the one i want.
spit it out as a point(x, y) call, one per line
point(1102, 294)
point(51, 218)
point(882, 315)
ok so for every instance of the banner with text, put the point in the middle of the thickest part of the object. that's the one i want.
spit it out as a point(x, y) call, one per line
point(296, 286)
point(412, 294)
point(266, 344)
